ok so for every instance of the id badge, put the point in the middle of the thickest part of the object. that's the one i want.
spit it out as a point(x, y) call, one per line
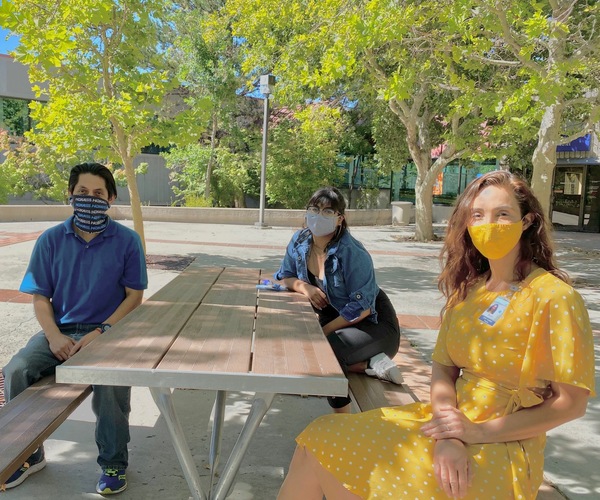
point(493, 313)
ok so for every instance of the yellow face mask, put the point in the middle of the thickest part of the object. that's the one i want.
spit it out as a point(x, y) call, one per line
point(494, 241)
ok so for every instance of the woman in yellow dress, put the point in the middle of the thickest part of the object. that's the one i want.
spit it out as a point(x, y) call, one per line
point(501, 377)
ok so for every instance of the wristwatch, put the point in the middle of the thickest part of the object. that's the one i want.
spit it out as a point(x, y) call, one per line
point(103, 327)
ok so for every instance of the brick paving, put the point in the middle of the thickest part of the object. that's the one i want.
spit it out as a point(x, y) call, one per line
point(7, 238)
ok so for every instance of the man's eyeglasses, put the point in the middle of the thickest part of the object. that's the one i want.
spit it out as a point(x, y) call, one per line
point(325, 212)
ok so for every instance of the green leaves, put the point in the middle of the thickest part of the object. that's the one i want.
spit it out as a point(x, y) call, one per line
point(111, 90)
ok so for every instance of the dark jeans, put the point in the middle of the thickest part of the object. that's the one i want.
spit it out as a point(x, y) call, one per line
point(111, 405)
point(365, 339)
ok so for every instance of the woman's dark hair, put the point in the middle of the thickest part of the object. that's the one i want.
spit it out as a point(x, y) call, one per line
point(94, 169)
point(331, 197)
point(463, 264)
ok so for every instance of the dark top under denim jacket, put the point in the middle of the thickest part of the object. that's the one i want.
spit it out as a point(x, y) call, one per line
point(349, 274)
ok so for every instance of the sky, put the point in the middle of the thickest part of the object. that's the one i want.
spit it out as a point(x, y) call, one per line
point(6, 45)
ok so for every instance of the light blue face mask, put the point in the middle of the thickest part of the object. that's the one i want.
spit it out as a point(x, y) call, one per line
point(90, 213)
point(320, 225)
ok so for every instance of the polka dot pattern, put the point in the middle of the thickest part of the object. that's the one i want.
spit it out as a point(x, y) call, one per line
point(382, 454)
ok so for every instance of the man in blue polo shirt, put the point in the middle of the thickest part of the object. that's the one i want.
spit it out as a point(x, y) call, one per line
point(85, 275)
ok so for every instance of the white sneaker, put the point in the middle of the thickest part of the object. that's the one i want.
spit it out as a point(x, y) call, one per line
point(382, 367)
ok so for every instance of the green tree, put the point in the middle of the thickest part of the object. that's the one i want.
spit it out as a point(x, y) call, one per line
point(106, 72)
point(15, 115)
point(233, 176)
point(188, 171)
point(188, 166)
point(553, 49)
point(394, 51)
point(303, 154)
point(208, 59)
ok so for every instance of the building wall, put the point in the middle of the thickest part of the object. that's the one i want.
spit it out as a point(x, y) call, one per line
point(154, 186)
point(14, 79)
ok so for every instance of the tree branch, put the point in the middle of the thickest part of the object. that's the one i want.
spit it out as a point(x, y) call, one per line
point(586, 128)
point(375, 66)
point(496, 62)
point(513, 44)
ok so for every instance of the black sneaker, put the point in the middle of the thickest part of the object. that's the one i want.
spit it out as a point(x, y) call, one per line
point(36, 462)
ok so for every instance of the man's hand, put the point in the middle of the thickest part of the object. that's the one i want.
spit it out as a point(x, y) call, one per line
point(61, 345)
point(83, 341)
point(452, 468)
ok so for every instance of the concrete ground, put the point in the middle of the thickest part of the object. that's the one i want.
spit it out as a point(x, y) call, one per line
point(405, 269)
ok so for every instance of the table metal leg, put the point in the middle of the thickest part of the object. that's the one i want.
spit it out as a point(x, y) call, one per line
point(260, 406)
point(164, 400)
point(215, 437)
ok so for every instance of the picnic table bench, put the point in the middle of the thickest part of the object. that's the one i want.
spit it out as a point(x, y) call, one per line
point(27, 420)
point(369, 393)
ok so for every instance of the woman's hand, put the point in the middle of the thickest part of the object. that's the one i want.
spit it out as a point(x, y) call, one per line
point(451, 467)
point(449, 422)
point(316, 296)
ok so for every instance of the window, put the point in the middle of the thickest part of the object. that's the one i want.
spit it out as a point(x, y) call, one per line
point(573, 183)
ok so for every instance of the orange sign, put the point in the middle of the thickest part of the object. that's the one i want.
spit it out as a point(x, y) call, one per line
point(438, 186)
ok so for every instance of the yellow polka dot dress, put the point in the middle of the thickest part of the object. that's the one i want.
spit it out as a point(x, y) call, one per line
point(543, 335)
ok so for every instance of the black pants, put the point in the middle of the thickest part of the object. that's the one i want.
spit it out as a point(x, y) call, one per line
point(363, 340)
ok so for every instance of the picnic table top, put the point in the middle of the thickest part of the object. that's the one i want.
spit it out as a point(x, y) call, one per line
point(210, 328)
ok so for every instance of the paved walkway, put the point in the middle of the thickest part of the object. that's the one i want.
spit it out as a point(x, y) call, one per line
point(405, 269)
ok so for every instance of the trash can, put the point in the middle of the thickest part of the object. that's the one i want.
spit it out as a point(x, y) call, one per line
point(401, 213)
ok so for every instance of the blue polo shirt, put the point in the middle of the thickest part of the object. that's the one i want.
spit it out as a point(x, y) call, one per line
point(85, 281)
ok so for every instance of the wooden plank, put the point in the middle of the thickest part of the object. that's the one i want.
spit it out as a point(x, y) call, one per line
point(289, 339)
point(370, 393)
point(216, 339)
point(141, 339)
point(33, 416)
point(235, 287)
point(218, 336)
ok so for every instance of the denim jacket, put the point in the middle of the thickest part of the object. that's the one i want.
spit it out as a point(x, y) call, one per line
point(349, 274)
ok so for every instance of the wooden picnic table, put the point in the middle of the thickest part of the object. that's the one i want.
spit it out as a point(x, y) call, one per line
point(210, 328)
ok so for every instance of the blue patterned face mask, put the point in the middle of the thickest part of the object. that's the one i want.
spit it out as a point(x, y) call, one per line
point(90, 213)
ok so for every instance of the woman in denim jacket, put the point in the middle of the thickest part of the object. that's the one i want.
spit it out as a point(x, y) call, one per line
point(327, 264)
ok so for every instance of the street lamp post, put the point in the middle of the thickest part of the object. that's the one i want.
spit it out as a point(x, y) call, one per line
point(267, 83)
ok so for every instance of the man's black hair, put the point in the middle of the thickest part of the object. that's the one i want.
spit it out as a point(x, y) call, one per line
point(94, 169)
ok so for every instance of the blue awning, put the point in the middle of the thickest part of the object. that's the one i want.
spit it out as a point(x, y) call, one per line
point(580, 144)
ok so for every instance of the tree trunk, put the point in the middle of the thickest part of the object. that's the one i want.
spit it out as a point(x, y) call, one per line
point(123, 149)
point(427, 173)
point(211, 161)
point(423, 208)
point(544, 156)
point(134, 197)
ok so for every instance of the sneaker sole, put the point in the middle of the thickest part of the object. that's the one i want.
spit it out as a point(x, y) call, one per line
point(108, 491)
point(395, 376)
point(31, 470)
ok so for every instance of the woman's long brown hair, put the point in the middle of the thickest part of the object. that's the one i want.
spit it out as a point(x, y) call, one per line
point(463, 264)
